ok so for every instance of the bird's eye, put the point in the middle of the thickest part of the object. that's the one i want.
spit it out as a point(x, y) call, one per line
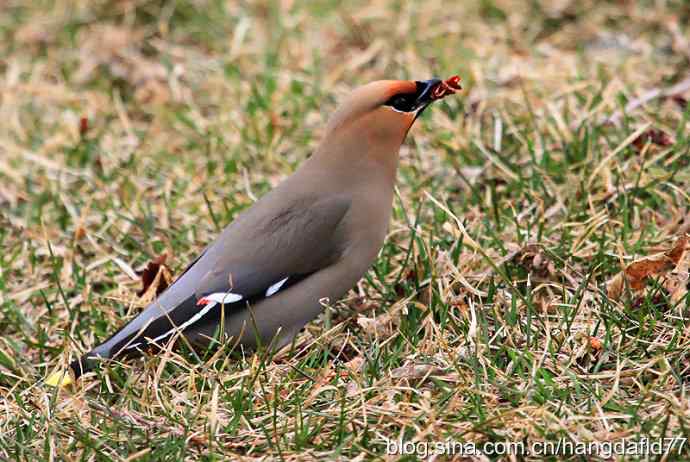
point(402, 103)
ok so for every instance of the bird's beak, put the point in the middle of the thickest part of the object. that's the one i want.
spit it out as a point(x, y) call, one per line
point(425, 90)
point(431, 90)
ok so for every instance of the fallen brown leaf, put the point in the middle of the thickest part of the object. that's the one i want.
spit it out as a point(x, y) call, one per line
point(533, 258)
point(595, 343)
point(79, 232)
point(678, 251)
point(638, 272)
point(415, 371)
point(460, 305)
point(678, 282)
point(156, 277)
point(680, 101)
point(380, 325)
point(353, 366)
point(83, 126)
point(653, 136)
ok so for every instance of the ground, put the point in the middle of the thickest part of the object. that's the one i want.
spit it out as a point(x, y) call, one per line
point(533, 286)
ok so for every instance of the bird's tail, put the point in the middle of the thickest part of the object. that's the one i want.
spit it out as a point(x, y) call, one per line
point(130, 340)
point(76, 369)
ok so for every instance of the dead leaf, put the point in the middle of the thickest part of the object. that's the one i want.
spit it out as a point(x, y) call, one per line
point(678, 251)
point(79, 232)
point(658, 300)
point(680, 101)
point(354, 365)
point(415, 371)
point(380, 325)
point(408, 278)
point(654, 136)
point(362, 304)
point(677, 287)
point(460, 305)
point(352, 389)
point(83, 126)
point(614, 288)
point(678, 282)
point(533, 258)
point(595, 343)
point(638, 272)
point(156, 277)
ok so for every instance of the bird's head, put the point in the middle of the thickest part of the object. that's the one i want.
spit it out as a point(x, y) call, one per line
point(381, 113)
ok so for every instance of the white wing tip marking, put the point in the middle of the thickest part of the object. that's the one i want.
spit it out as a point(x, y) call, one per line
point(208, 302)
point(224, 297)
point(275, 287)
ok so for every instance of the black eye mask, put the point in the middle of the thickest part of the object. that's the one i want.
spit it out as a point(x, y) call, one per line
point(403, 102)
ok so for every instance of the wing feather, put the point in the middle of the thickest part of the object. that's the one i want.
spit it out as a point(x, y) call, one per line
point(258, 255)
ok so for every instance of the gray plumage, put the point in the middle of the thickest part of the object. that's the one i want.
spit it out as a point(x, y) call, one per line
point(307, 241)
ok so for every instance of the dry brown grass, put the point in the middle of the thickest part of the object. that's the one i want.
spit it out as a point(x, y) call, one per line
point(487, 316)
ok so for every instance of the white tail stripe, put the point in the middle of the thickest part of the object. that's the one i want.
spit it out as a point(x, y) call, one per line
point(275, 287)
point(214, 299)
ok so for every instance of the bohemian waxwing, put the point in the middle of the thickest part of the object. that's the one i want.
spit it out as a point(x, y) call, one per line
point(307, 241)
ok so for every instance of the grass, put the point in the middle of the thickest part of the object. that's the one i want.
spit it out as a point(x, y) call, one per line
point(486, 317)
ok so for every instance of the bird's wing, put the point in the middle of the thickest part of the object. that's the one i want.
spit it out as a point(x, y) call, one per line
point(294, 242)
point(258, 255)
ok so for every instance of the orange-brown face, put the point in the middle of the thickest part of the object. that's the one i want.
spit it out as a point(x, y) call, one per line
point(413, 96)
point(401, 101)
point(396, 119)
point(393, 102)
point(376, 117)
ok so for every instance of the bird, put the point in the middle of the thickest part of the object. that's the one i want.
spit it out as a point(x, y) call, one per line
point(304, 243)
